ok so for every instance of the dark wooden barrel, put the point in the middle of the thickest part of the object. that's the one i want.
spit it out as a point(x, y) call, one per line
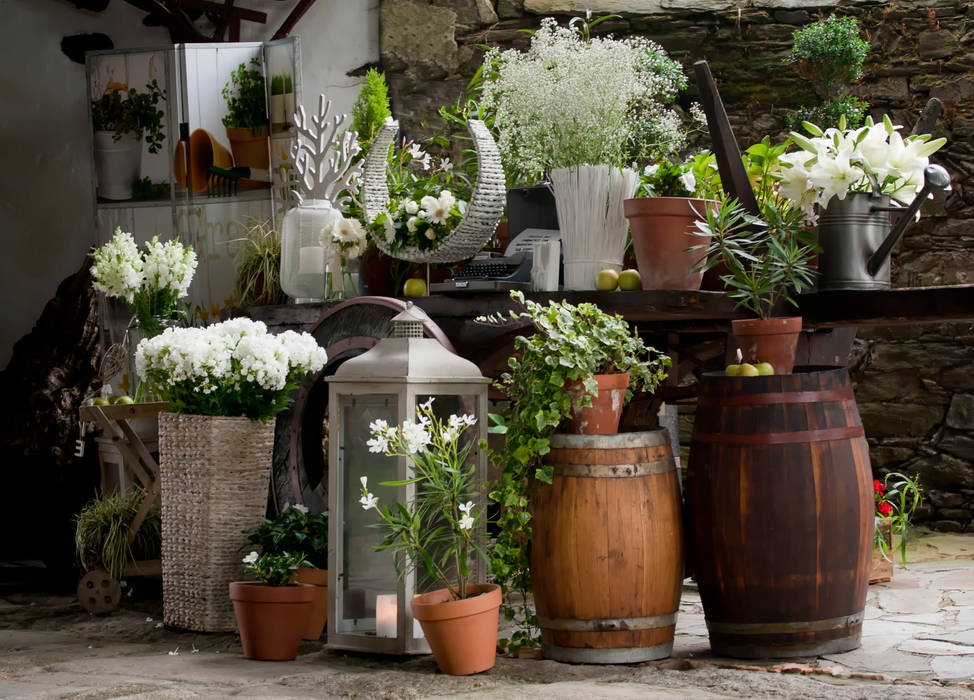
point(780, 513)
point(607, 548)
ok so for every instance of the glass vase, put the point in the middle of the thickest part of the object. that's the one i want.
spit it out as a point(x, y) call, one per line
point(137, 331)
point(341, 277)
point(303, 258)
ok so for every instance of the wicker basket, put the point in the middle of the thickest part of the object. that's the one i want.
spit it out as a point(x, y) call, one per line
point(215, 473)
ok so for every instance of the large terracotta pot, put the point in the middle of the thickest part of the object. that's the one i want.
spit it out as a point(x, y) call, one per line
point(249, 147)
point(462, 634)
point(603, 416)
point(319, 604)
point(660, 228)
point(271, 619)
point(773, 340)
point(204, 151)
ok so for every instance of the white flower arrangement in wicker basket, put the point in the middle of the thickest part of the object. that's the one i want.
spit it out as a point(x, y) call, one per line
point(482, 214)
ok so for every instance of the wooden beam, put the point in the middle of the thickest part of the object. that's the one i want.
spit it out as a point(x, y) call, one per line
point(292, 19)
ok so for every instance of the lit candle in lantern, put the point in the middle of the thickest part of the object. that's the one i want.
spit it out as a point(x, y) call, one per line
point(385, 615)
point(311, 260)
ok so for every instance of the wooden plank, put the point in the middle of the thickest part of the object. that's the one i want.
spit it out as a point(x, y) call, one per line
point(911, 306)
point(144, 567)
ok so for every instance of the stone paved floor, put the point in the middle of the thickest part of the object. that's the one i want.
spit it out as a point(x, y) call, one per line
point(918, 642)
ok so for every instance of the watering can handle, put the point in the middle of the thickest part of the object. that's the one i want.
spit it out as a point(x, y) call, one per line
point(934, 177)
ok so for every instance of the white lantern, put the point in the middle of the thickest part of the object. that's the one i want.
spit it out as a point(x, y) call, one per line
point(303, 258)
point(369, 605)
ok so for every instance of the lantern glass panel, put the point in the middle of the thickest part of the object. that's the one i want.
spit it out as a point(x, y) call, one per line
point(366, 573)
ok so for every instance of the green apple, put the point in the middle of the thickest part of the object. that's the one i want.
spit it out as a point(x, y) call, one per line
point(414, 287)
point(748, 370)
point(764, 368)
point(629, 280)
point(607, 280)
point(100, 401)
point(123, 399)
point(733, 371)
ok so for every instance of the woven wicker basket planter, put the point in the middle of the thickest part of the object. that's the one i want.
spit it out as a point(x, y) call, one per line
point(215, 473)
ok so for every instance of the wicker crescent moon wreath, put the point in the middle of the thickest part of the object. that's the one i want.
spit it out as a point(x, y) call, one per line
point(483, 212)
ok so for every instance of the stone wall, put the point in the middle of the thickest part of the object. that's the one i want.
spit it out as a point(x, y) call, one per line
point(915, 385)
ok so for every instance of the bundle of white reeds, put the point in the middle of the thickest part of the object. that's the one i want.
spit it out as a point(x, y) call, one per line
point(591, 218)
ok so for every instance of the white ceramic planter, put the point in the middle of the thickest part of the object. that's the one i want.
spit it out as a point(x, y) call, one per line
point(118, 164)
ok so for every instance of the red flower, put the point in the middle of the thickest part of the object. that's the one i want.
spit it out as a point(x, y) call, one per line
point(878, 486)
point(884, 508)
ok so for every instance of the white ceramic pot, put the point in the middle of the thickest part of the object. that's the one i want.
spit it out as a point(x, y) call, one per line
point(118, 164)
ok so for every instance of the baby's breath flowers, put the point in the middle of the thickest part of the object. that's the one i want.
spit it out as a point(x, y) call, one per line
point(437, 528)
point(150, 283)
point(233, 368)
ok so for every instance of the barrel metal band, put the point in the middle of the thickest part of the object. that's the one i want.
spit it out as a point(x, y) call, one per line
point(823, 435)
point(832, 396)
point(618, 471)
point(605, 624)
point(833, 623)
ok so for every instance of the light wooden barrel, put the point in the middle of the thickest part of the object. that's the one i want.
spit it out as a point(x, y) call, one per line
point(780, 513)
point(607, 548)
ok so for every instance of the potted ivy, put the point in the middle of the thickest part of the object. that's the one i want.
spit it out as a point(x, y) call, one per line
point(767, 262)
point(296, 529)
point(246, 118)
point(272, 611)
point(122, 121)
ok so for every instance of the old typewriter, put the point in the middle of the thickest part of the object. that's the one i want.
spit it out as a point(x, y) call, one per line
point(492, 272)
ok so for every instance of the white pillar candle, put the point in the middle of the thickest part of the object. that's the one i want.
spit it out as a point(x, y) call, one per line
point(311, 260)
point(385, 615)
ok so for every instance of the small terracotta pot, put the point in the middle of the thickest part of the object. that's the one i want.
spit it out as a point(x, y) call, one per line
point(271, 619)
point(461, 633)
point(319, 605)
point(660, 229)
point(774, 340)
point(603, 416)
point(249, 147)
point(882, 567)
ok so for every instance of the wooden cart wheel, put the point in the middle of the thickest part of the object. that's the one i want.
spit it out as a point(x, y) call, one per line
point(300, 443)
point(98, 592)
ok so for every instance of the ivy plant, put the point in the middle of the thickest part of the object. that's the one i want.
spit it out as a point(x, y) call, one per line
point(246, 97)
point(570, 343)
point(137, 114)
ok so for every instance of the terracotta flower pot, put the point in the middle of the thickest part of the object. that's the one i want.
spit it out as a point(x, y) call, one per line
point(660, 229)
point(603, 417)
point(882, 567)
point(249, 147)
point(461, 633)
point(204, 151)
point(319, 605)
point(774, 340)
point(271, 619)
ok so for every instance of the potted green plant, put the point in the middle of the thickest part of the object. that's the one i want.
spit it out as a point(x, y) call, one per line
point(257, 274)
point(437, 532)
point(246, 118)
point(271, 612)
point(122, 121)
point(767, 262)
point(897, 497)
point(296, 529)
point(662, 214)
point(101, 536)
point(282, 85)
point(552, 376)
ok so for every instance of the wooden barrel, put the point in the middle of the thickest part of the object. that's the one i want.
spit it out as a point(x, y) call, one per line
point(780, 513)
point(607, 548)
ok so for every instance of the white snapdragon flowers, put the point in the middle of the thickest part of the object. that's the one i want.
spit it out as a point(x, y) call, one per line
point(835, 162)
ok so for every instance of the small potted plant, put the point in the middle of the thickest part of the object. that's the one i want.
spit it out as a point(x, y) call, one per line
point(257, 275)
point(246, 117)
point(121, 126)
point(101, 536)
point(296, 529)
point(767, 262)
point(281, 107)
point(272, 612)
point(661, 217)
point(438, 532)
point(897, 497)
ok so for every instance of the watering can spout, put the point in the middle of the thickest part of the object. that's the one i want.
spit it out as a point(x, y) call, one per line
point(935, 177)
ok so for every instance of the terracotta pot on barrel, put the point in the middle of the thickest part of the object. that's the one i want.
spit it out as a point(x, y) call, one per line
point(603, 416)
point(773, 340)
point(607, 548)
point(780, 513)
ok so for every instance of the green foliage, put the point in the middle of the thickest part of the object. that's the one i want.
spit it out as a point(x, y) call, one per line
point(281, 84)
point(695, 177)
point(830, 113)
point(767, 260)
point(829, 53)
point(249, 399)
point(903, 496)
point(371, 108)
point(145, 189)
point(294, 529)
point(570, 343)
point(257, 278)
point(274, 569)
point(246, 97)
point(762, 163)
point(137, 114)
point(101, 535)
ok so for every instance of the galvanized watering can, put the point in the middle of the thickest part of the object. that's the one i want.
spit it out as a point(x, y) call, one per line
point(855, 236)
